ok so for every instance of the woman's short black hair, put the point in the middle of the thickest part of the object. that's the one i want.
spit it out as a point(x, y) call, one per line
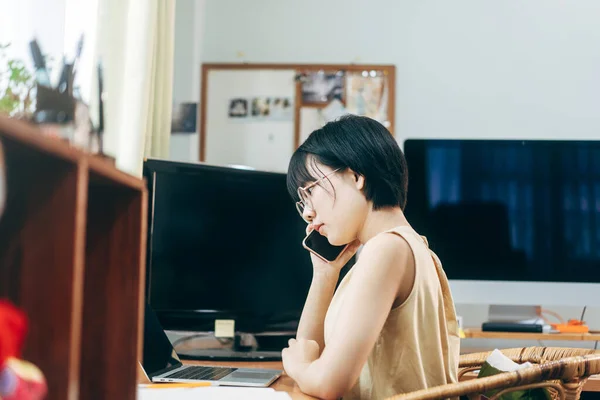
point(361, 144)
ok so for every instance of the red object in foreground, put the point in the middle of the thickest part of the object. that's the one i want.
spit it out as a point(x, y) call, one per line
point(18, 379)
point(13, 327)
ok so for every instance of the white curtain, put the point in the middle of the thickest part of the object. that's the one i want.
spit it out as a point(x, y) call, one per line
point(135, 46)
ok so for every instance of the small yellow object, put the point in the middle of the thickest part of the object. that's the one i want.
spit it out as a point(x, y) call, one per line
point(225, 328)
point(461, 333)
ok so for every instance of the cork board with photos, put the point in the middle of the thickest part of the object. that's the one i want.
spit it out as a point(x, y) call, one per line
point(293, 99)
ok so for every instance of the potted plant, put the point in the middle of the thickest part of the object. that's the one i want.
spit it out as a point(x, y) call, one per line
point(16, 85)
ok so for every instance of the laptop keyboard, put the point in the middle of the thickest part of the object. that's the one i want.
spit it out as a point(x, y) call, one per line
point(201, 373)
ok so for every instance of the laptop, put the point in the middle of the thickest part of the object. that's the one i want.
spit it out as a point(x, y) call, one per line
point(162, 364)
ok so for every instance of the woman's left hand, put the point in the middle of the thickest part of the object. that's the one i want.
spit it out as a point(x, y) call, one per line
point(298, 356)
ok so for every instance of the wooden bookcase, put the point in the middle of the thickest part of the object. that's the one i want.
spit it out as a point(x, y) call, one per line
point(72, 256)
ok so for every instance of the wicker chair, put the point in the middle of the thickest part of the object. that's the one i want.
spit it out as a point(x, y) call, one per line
point(563, 371)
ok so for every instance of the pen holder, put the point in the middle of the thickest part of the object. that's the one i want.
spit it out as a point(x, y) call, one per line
point(55, 113)
point(65, 117)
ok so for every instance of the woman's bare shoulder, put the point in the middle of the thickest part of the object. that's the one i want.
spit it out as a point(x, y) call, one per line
point(385, 250)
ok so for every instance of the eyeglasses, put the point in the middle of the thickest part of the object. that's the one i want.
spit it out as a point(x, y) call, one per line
point(304, 195)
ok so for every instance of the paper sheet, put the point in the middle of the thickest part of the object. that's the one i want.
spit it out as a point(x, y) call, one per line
point(211, 393)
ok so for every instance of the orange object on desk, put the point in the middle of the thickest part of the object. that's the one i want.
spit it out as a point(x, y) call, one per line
point(572, 326)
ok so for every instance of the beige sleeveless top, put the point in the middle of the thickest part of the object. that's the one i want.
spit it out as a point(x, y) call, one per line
point(419, 344)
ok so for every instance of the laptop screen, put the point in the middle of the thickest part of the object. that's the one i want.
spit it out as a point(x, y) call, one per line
point(158, 351)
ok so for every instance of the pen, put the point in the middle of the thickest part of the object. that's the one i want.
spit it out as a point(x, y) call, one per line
point(41, 73)
point(174, 385)
point(64, 83)
point(74, 64)
point(100, 130)
point(78, 52)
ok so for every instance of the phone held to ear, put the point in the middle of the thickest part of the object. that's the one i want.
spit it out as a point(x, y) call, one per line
point(320, 246)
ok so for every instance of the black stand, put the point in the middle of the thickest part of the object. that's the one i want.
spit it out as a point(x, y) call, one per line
point(245, 347)
point(230, 355)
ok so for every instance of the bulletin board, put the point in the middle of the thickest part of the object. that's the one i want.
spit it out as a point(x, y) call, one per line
point(258, 114)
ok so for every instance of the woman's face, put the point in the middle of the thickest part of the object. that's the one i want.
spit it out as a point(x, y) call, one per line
point(339, 208)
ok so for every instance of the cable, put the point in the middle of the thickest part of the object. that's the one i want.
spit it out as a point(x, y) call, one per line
point(201, 335)
point(189, 337)
point(583, 313)
point(554, 314)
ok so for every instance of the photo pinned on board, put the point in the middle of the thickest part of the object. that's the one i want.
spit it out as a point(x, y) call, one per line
point(281, 109)
point(367, 94)
point(261, 106)
point(320, 87)
point(238, 108)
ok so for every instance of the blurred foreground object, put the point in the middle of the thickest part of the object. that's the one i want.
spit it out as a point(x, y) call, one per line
point(18, 379)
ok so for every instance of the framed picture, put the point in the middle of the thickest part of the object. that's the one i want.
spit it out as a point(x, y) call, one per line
point(183, 118)
point(320, 87)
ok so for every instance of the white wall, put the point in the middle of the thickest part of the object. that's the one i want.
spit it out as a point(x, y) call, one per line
point(189, 29)
point(464, 69)
point(21, 21)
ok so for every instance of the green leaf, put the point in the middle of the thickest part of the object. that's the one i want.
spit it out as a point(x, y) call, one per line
point(16, 83)
point(8, 105)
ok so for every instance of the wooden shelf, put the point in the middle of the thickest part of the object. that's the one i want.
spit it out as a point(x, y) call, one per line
point(476, 333)
point(72, 256)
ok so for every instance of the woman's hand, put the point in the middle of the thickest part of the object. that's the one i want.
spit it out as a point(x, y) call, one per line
point(298, 356)
point(334, 267)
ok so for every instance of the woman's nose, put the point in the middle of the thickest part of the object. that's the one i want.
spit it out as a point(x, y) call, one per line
point(308, 214)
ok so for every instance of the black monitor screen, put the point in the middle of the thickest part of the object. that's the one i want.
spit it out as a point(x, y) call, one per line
point(227, 241)
point(507, 209)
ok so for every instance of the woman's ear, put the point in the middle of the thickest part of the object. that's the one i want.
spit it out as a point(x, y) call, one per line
point(360, 181)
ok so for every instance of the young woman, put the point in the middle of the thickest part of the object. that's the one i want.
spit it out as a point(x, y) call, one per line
point(390, 327)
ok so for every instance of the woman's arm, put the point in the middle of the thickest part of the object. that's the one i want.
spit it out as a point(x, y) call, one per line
point(325, 277)
point(311, 326)
point(386, 268)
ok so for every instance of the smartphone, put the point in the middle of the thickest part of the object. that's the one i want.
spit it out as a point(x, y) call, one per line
point(320, 246)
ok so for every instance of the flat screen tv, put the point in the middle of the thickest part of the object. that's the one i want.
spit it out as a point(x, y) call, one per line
point(508, 210)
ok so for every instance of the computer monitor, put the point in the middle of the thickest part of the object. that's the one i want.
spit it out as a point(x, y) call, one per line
point(224, 243)
point(499, 211)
